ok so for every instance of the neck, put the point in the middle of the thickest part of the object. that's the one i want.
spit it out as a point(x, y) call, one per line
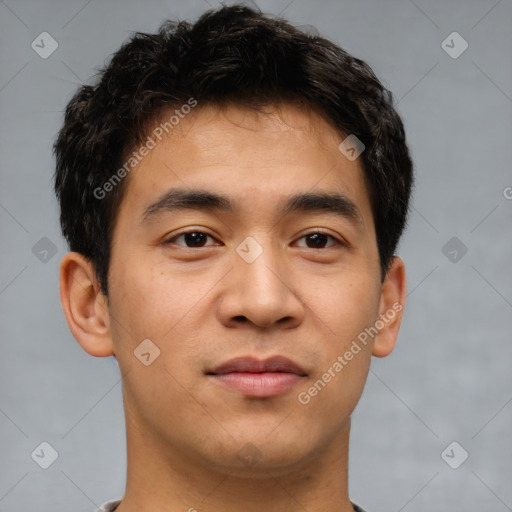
point(169, 480)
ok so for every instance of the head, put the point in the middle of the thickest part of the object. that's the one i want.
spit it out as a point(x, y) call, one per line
point(250, 110)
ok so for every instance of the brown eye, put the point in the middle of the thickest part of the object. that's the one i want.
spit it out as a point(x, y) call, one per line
point(318, 240)
point(192, 239)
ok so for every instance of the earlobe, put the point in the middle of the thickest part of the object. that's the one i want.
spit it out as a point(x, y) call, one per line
point(392, 302)
point(85, 307)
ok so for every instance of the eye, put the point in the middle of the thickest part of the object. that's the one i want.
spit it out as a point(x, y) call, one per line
point(318, 240)
point(192, 239)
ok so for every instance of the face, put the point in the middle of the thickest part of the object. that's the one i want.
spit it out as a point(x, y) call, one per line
point(244, 277)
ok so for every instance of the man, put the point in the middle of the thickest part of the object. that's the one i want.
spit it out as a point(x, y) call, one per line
point(233, 192)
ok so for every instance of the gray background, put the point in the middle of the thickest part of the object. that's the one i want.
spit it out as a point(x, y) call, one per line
point(449, 378)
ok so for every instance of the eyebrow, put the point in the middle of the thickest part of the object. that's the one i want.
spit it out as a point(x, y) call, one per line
point(177, 199)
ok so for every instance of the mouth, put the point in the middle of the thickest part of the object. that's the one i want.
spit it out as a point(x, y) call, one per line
point(258, 378)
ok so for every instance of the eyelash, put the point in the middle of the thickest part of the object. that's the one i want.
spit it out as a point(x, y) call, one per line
point(337, 241)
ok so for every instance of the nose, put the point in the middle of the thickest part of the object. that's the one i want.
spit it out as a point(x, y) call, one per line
point(260, 292)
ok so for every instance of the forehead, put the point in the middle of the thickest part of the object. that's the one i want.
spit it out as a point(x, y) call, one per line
point(251, 156)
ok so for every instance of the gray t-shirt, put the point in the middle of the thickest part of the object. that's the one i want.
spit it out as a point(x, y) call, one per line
point(110, 506)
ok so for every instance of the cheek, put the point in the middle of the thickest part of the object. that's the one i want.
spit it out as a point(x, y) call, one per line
point(346, 306)
point(146, 304)
point(342, 310)
point(149, 302)
point(165, 307)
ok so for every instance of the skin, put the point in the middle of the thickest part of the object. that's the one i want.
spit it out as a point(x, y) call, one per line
point(203, 306)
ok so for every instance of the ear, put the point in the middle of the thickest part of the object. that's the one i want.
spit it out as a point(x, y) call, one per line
point(85, 307)
point(392, 302)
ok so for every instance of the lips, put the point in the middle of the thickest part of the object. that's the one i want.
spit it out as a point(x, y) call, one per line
point(276, 364)
point(258, 378)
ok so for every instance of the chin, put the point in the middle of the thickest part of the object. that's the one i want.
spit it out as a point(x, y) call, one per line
point(256, 454)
